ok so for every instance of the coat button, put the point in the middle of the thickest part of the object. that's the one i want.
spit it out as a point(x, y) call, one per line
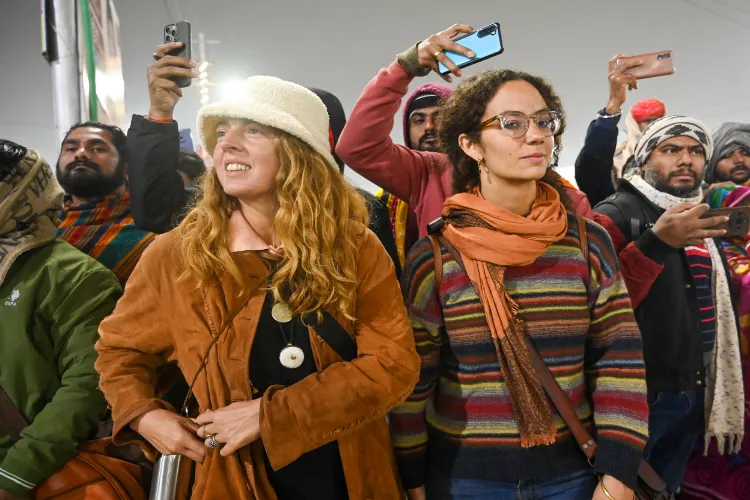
point(699, 382)
point(688, 285)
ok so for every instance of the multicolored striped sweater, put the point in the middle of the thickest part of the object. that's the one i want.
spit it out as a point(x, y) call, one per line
point(459, 421)
point(107, 232)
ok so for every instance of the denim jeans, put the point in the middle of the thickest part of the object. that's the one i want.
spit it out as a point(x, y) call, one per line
point(675, 421)
point(580, 485)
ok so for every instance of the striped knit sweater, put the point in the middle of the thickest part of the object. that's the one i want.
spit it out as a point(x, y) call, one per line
point(459, 421)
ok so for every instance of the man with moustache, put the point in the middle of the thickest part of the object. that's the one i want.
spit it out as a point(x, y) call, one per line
point(92, 169)
point(420, 118)
point(678, 279)
point(731, 160)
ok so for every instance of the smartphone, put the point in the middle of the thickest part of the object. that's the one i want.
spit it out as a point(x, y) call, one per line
point(654, 64)
point(738, 224)
point(485, 43)
point(179, 32)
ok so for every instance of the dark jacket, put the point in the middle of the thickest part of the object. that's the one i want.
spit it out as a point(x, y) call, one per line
point(158, 198)
point(663, 291)
point(595, 161)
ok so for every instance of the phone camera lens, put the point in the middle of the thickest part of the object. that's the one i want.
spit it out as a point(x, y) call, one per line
point(174, 32)
point(168, 38)
point(487, 32)
point(167, 29)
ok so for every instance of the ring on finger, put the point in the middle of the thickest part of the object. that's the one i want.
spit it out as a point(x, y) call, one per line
point(437, 54)
point(212, 443)
point(156, 57)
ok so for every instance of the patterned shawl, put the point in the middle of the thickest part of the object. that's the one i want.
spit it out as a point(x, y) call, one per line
point(106, 231)
point(30, 204)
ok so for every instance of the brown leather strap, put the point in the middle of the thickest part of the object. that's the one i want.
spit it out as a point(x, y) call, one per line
point(583, 235)
point(561, 401)
point(12, 420)
point(438, 257)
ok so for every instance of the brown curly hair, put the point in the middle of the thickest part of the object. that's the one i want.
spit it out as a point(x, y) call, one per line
point(462, 112)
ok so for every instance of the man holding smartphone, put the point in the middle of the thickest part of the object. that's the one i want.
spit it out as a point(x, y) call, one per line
point(602, 160)
point(678, 279)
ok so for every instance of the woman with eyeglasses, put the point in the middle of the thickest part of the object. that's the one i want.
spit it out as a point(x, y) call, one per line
point(479, 424)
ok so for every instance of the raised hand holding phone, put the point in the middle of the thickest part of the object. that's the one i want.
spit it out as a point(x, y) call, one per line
point(485, 43)
point(620, 83)
point(430, 51)
point(163, 91)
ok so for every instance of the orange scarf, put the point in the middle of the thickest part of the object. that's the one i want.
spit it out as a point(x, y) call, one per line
point(489, 239)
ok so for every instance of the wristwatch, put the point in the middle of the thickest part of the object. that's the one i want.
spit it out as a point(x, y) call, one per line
point(604, 114)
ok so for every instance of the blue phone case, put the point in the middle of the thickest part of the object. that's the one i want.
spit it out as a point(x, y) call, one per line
point(485, 43)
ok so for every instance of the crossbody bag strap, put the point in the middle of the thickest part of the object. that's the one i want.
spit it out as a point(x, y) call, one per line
point(334, 335)
point(12, 420)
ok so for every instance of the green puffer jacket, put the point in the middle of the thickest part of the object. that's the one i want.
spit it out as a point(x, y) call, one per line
point(51, 304)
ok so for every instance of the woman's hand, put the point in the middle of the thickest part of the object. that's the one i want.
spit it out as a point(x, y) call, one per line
point(417, 493)
point(615, 488)
point(430, 51)
point(234, 426)
point(170, 433)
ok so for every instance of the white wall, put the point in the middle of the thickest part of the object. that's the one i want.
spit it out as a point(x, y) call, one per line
point(339, 45)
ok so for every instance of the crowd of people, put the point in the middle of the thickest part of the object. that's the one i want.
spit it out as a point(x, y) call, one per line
point(299, 338)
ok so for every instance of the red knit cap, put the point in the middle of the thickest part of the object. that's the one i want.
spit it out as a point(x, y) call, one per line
point(648, 108)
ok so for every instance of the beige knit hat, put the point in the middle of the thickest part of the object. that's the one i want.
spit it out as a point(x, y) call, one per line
point(275, 103)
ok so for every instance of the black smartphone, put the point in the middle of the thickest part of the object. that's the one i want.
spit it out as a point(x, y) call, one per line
point(738, 224)
point(179, 32)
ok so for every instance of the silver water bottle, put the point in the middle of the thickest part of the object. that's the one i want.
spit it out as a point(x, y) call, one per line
point(171, 479)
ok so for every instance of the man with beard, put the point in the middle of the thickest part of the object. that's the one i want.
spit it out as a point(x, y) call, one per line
point(420, 118)
point(677, 276)
point(731, 160)
point(418, 172)
point(92, 169)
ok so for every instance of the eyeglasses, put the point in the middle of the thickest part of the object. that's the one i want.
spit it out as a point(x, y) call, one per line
point(516, 124)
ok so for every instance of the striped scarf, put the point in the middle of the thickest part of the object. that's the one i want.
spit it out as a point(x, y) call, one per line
point(105, 230)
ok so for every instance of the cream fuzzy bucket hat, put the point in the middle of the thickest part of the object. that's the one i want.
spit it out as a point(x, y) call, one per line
point(272, 102)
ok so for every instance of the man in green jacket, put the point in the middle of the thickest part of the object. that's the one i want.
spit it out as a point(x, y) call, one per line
point(52, 299)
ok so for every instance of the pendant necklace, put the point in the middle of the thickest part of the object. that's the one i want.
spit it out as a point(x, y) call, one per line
point(281, 312)
point(290, 356)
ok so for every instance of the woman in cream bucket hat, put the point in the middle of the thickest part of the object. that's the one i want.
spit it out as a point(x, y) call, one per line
point(276, 266)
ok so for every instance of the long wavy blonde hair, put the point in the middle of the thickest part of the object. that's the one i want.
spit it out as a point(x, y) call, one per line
point(317, 222)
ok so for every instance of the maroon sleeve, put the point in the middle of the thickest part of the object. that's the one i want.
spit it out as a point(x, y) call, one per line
point(637, 269)
point(365, 144)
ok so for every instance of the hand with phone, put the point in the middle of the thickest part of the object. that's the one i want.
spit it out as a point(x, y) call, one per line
point(430, 51)
point(620, 83)
point(685, 225)
point(163, 90)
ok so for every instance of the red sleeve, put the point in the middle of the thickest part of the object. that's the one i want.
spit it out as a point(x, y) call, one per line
point(639, 271)
point(365, 144)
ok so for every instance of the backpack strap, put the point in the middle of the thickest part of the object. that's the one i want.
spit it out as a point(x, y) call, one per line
point(437, 256)
point(583, 236)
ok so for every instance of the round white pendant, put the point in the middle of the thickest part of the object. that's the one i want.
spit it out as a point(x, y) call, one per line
point(291, 357)
point(281, 312)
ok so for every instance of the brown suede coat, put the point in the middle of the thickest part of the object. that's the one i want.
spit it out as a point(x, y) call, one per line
point(161, 320)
